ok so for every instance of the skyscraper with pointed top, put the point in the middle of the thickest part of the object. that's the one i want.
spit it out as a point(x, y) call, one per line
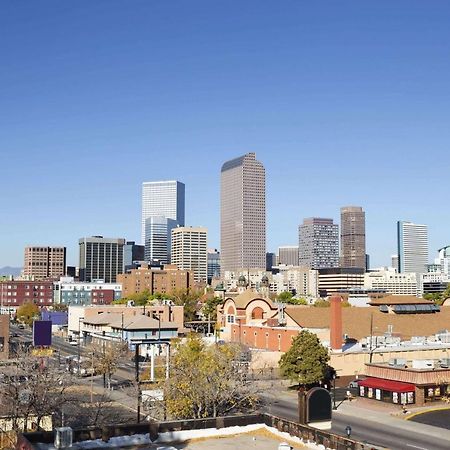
point(243, 214)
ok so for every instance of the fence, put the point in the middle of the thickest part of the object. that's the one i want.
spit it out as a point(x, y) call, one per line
point(329, 440)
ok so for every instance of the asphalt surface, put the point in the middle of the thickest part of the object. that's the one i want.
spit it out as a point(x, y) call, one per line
point(439, 418)
point(387, 432)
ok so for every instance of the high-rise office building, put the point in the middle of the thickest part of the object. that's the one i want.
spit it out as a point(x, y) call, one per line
point(162, 198)
point(158, 233)
point(131, 254)
point(189, 251)
point(394, 262)
point(318, 243)
point(213, 264)
point(243, 214)
point(44, 262)
point(271, 261)
point(288, 255)
point(100, 258)
point(353, 237)
point(412, 241)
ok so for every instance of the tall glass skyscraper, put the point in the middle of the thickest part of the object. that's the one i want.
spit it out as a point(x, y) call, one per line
point(162, 210)
point(162, 199)
point(412, 241)
point(158, 231)
point(243, 214)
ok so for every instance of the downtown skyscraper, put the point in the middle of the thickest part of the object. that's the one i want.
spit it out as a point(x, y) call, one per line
point(353, 237)
point(163, 208)
point(412, 242)
point(243, 214)
point(318, 242)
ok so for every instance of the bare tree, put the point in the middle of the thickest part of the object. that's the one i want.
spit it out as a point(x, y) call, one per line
point(106, 359)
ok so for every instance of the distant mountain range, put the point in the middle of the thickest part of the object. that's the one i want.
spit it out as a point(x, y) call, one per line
point(14, 271)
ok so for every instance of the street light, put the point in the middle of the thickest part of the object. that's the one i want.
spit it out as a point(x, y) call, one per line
point(334, 391)
point(79, 343)
point(348, 431)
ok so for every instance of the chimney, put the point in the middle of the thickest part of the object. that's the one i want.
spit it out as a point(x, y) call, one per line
point(336, 323)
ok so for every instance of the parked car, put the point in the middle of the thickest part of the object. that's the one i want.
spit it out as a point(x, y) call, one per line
point(354, 383)
point(21, 326)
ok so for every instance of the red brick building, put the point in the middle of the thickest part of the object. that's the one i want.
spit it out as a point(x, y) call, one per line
point(4, 337)
point(15, 293)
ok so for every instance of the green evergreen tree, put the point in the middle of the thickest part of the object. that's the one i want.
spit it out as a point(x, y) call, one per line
point(306, 361)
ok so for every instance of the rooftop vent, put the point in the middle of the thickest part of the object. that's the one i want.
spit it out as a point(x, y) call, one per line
point(63, 437)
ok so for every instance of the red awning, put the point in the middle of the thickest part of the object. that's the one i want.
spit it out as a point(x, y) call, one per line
point(387, 385)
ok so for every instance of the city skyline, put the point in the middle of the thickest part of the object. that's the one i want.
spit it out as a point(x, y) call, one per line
point(303, 99)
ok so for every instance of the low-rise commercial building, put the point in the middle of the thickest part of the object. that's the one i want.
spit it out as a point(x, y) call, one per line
point(405, 382)
point(335, 280)
point(392, 282)
point(67, 291)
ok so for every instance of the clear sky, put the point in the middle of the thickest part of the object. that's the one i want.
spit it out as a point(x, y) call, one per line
point(344, 102)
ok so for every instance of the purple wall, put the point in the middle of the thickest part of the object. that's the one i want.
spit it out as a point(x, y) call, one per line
point(56, 317)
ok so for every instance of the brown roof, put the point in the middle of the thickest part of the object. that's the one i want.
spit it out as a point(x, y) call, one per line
point(356, 321)
point(399, 300)
point(242, 300)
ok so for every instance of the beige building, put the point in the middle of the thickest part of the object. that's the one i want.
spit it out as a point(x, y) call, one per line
point(243, 214)
point(353, 237)
point(190, 251)
point(163, 281)
point(44, 262)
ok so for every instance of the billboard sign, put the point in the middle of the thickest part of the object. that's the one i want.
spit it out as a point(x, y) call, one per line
point(42, 333)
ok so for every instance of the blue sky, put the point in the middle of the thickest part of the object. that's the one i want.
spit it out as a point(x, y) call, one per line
point(344, 103)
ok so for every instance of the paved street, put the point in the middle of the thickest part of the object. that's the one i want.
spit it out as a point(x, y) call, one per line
point(397, 434)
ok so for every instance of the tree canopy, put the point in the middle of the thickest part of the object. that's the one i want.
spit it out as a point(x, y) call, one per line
point(306, 361)
point(206, 380)
point(438, 297)
point(27, 312)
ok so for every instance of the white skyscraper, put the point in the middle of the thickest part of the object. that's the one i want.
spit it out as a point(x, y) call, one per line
point(163, 199)
point(412, 240)
point(158, 232)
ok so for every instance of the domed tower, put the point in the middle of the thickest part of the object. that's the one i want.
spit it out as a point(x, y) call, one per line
point(265, 285)
point(242, 284)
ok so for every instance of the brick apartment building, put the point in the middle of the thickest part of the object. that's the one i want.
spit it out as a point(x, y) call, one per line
point(41, 263)
point(15, 293)
point(4, 336)
point(163, 281)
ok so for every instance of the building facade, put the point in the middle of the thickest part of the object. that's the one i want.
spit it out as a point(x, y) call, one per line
point(41, 263)
point(100, 258)
point(163, 199)
point(412, 241)
point(66, 291)
point(337, 280)
point(163, 281)
point(158, 235)
point(319, 243)
point(288, 255)
point(190, 251)
point(353, 237)
point(132, 253)
point(213, 264)
point(14, 293)
point(4, 336)
point(243, 214)
point(392, 282)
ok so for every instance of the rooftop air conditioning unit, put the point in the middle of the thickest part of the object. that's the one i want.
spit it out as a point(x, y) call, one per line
point(63, 437)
